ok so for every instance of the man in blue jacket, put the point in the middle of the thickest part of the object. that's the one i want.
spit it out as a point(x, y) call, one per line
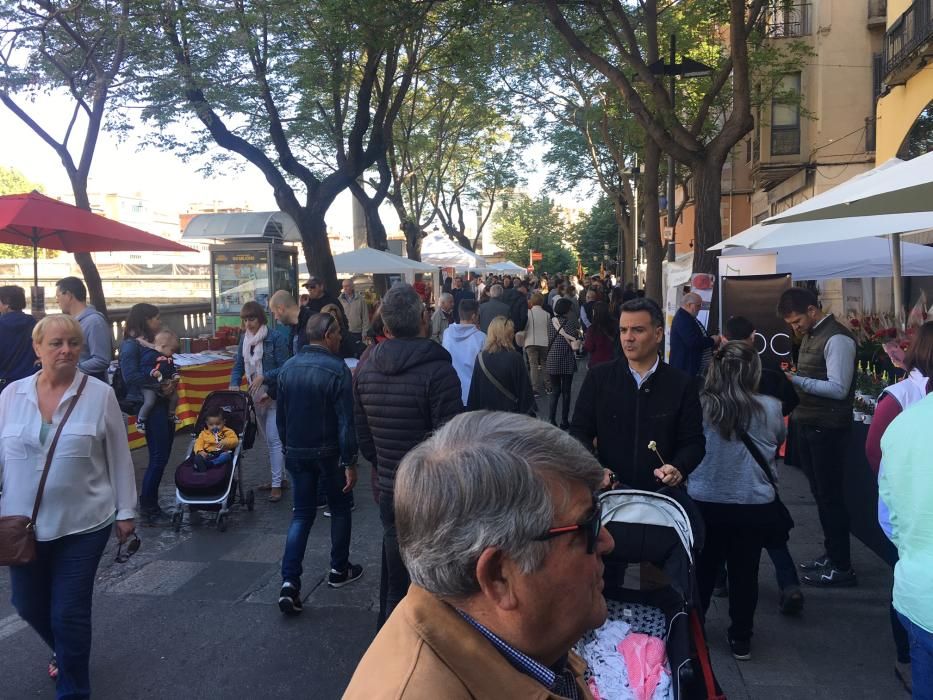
point(691, 347)
point(315, 422)
point(17, 359)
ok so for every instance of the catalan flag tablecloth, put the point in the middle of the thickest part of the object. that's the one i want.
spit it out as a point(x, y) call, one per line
point(197, 381)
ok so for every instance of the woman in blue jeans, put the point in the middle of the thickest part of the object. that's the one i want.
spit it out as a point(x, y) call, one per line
point(137, 359)
point(90, 492)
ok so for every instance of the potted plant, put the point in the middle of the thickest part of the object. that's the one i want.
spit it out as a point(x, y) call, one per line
point(858, 410)
point(868, 412)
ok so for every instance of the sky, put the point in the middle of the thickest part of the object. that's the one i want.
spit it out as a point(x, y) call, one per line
point(162, 177)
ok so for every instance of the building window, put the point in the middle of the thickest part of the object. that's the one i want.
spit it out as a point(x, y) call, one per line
point(787, 19)
point(785, 117)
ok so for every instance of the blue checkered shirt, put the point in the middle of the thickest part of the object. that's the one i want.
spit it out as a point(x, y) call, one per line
point(560, 683)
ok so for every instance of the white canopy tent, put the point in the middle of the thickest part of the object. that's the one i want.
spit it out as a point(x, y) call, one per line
point(438, 250)
point(375, 262)
point(507, 267)
point(865, 257)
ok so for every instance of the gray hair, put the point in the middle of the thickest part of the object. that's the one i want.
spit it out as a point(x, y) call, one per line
point(495, 291)
point(691, 298)
point(446, 296)
point(482, 481)
point(401, 311)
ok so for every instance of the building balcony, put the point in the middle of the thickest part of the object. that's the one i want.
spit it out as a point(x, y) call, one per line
point(877, 13)
point(787, 20)
point(908, 43)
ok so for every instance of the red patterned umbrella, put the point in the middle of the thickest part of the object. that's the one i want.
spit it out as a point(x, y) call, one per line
point(42, 222)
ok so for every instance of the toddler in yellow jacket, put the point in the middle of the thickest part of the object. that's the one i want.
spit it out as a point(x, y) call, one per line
point(216, 443)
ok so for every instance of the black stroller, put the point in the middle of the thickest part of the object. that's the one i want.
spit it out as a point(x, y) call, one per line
point(218, 489)
point(650, 581)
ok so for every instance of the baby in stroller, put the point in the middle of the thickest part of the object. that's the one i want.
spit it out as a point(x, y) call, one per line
point(215, 443)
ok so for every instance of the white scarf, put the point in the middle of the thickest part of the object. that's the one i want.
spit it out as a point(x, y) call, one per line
point(252, 352)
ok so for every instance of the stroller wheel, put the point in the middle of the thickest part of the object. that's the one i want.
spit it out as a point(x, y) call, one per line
point(250, 500)
point(176, 520)
point(222, 522)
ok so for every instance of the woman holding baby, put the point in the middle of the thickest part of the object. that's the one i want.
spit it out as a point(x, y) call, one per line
point(145, 363)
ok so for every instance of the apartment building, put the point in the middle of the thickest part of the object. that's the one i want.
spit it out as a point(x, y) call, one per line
point(819, 128)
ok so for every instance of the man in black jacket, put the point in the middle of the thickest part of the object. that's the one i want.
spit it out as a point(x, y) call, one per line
point(405, 390)
point(643, 414)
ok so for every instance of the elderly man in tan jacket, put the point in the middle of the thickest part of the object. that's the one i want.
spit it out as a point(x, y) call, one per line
point(504, 545)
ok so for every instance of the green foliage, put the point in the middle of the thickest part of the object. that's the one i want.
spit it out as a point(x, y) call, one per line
point(535, 224)
point(12, 181)
point(596, 231)
point(919, 140)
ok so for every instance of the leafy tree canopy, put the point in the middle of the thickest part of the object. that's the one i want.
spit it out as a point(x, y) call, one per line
point(535, 224)
point(12, 181)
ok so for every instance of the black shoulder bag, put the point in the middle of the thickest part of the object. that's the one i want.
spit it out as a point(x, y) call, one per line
point(782, 521)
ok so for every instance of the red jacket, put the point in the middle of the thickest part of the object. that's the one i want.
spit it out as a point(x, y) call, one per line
point(599, 346)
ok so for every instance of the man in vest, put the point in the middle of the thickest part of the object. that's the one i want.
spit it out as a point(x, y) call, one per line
point(824, 383)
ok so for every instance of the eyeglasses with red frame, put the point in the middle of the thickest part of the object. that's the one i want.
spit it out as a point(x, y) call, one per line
point(591, 527)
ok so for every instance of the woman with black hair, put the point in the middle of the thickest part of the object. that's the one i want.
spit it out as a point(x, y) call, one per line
point(137, 358)
point(601, 339)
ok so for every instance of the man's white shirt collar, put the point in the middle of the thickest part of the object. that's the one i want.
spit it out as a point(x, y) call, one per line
point(639, 380)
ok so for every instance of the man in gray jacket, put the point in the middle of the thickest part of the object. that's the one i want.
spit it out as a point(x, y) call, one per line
point(492, 308)
point(97, 351)
point(443, 316)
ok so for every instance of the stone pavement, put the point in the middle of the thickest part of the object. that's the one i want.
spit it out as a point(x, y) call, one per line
point(194, 615)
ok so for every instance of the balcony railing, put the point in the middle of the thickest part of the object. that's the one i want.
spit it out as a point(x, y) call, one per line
point(786, 19)
point(909, 32)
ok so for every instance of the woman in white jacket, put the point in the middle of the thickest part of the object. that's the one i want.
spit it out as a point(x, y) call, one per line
point(90, 492)
point(536, 343)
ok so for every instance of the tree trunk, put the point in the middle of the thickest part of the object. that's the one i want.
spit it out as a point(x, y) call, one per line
point(316, 246)
point(651, 221)
point(89, 271)
point(624, 235)
point(413, 238)
point(376, 236)
point(707, 195)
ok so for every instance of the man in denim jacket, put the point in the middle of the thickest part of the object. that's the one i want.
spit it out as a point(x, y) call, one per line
point(315, 421)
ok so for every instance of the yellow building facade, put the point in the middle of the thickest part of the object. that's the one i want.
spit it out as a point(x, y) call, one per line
point(907, 80)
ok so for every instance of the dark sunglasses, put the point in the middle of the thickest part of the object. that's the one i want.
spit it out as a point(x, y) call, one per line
point(131, 549)
point(591, 526)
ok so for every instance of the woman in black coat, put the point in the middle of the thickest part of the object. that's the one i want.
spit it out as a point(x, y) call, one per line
point(503, 385)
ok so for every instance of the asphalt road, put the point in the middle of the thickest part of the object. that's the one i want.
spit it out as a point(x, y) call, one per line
point(194, 615)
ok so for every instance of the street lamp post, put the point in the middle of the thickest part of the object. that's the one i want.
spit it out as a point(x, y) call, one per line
point(688, 68)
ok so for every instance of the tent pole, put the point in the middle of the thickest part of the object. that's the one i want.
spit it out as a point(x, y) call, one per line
point(35, 259)
point(897, 280)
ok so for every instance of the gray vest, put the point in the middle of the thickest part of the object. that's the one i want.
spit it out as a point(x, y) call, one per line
point(818, 410)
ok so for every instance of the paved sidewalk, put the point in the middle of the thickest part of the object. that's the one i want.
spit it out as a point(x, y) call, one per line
point(194, 615)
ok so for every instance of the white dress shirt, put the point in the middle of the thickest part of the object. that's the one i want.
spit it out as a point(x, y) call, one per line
point(91, 479)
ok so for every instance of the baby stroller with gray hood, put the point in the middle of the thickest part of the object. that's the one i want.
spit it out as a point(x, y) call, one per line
point(652, 596)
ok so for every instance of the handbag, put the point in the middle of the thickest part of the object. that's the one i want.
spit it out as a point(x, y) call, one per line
point(18, 532)
point(782, 521)
point(574, 344)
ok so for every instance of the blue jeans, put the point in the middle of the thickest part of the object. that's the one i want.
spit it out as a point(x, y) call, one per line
point(394, 581)
point(921, 659)
point(159, 437)
point(53, 594)
point(305, 474)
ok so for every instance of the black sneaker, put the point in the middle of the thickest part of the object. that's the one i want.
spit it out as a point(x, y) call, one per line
point(335, 579)
point(791, 601)
point(290, 599)
point(741, 648)
point(830, 577)
point(816, 564)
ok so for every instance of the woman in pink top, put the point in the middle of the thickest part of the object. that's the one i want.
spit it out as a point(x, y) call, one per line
point(894, 400)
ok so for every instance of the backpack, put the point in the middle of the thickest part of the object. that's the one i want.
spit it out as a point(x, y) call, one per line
point(118, 384)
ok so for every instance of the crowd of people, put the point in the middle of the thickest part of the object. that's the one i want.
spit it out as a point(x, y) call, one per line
point(474, 488)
